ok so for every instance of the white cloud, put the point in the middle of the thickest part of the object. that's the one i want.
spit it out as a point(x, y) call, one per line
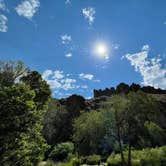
point(66, 39)
point(86, 76)
point(46, 74)
point(3, 23)
point(67, 2)
point(28, 8)
point(54, 83)
point(84, 87)
point(3, 6)
point(116, 46)
point(88, 14)
point(68, 83)
point(150, 69)
point(58, 74)
point(69, 55)
point(59, 81)
point(145, 48)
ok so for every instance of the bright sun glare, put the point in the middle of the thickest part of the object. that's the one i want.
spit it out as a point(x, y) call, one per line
point(101, 50)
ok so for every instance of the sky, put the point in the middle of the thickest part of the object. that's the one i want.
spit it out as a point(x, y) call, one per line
point(81, 45)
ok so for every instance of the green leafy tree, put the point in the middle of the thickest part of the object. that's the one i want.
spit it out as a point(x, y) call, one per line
point(59, 118)
point(61, 151)
point(131, 112)
point(20, 138)
point(56, 123)
point(154, 135)
point(11, 72)
point(118, 105)
point(41, 88)
point(89, 130)
point(141, 108)
point(23, 99)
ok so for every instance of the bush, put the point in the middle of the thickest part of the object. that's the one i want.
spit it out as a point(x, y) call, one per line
point(77, 161)
point(47, 163)
point(61, 151)
point(93, 160)
point(114, 160)
point(145, 157)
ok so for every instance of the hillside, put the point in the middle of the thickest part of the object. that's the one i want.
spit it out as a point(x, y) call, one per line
point(102, 95)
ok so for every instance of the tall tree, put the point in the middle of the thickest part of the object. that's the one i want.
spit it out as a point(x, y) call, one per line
point(20, 138)
point(11, 72)
point(40, 86)
point(23, 99)
point(89, 130)
point(141, 108)
point(118, 107)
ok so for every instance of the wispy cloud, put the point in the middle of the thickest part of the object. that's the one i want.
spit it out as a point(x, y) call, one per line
point(86, 76)
point(66, 39)
point(88, 14)
point(69, 55)
point(59, 81)
point(67, 2)
point(151, 70)
point(3, 23)
point(146, 48)
point(3, 18)
point(3, 6)
point(46, 74)
point(28, 8)
point(116, 46)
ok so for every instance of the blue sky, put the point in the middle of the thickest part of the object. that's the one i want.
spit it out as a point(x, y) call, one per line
point(62, 39)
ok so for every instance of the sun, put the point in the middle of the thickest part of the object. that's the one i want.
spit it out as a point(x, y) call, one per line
point(101, 50)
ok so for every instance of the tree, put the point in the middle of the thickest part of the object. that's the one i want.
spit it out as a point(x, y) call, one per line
point(89, 131)
point(56, 123)
point(23, 99)
point(20, 138)
point(75, 104)
point(11, 72)
point(59, 118)
point(131, 112)
point(40, 86)
point(140, 109)
point(118, 106)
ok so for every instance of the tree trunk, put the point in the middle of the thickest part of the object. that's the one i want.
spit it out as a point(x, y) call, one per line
point(129, 148)
point(120, 148)
point(129, 155)
point(119, 140)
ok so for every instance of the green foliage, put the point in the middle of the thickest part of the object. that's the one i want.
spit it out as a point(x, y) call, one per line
point(47, 163)
point(114, 160)
point(59, 118)
point(77, 161)
point(89, 130)
point(41, 88)
point(61, 151)
point(156, 135)
point(145, 157)
point(56, 120)
point(93, 160)
point(20, 140)
point(11, 72)
point(21, 115)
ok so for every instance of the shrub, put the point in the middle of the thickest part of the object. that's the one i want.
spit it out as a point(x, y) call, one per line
point(47, 163)
point(145, 157)
point(77, 161)
point(93, 160)
point(114, 160)
point(61, 151)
